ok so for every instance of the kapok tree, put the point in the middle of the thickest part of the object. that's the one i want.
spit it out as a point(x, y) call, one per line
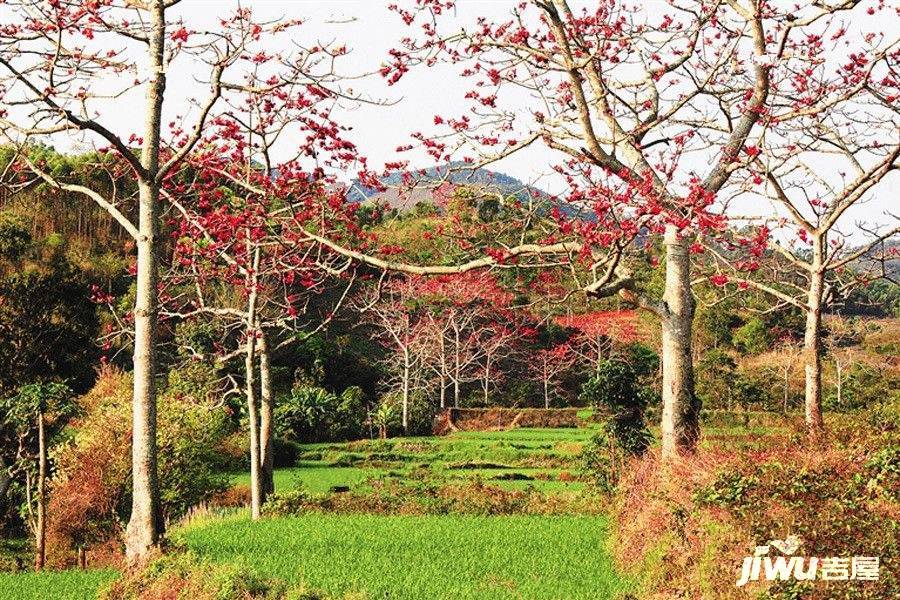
point(599, 333)
point(548, 364)
point(657, 105)
point(498, 340)
point(403, 330)
point(64, 66)
point(240, 217)
point(831, 144)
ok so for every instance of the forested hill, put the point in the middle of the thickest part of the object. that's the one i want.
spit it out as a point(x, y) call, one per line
point(461, 175)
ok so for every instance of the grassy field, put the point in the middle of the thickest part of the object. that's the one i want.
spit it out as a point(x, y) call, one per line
point(508, 459)
point(49, 585)
point(416, 557)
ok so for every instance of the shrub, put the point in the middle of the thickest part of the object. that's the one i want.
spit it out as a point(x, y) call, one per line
point(614, 390)
point(184, 575)
point(864, 386)
point(599, 460)
point(90, 496)
point(753, 337)
point(313, 414)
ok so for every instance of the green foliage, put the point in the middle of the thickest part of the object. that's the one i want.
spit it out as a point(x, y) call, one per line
point(643, 359)
point(864, 386)
point(52, 399)
point(715, 325)
point(883, 473)
point(600, 460)
point(188, 436)
point(835, 505)
point(716, 373)
point(313, 414)
point(91, 496)
point(195, 578)
point(880, 297)
point(614, 389)
point(47, 327)
point(421, 413)
point(19, 414)
point(15, 238)
point(753, 337)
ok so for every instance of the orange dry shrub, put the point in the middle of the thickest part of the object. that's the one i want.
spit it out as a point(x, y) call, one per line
point(88, 490)
point(683, 529)
point(658, 534)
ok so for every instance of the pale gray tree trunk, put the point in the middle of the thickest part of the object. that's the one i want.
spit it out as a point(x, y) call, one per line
point(40, 532)
point(456, 366)
point(256, 483)
point(405, 406)
point(487, 378)
point(443, 376)
point(681, 409)
point(787, 373)
point(546, 392)
point(253, 423)
point(812, 340)
point(266, 420)
point(146, 524)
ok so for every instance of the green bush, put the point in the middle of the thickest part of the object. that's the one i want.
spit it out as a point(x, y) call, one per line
point(753, 337)
point(599, 460)
point(614, 390)
point(864, 386)
point(313, 414)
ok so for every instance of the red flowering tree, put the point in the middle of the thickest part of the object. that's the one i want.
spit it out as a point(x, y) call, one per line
point(403, 331)
point(621, 95)
point(818, 160)
point(65, 65)
point(548, 364)
point(498, 340)
point(600, 332)
point(240, 217)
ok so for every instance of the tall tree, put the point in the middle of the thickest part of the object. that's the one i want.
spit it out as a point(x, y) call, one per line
point(53, 57)
point(623, 100)
point(816, 162)
point(35, 413)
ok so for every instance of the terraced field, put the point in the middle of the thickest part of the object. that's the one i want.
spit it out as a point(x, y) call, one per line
point(545, 459)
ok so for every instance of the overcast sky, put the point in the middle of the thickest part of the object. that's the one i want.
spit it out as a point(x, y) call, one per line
point(370, 30)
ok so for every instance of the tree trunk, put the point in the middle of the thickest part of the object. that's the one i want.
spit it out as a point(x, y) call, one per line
point(456, 368)
point(681, 408)
point(487, 379)
point(812, 342)
point(266, 421)
point(405, 406)
point(546, 392)
point(838, 369)
point(787, 372)
point(256, 484)
point(146, 524)
point(40, 533)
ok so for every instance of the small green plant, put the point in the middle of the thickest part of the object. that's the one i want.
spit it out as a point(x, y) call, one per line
point(614, 390)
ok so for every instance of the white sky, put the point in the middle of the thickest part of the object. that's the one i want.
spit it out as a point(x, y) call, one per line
point(369, 29)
